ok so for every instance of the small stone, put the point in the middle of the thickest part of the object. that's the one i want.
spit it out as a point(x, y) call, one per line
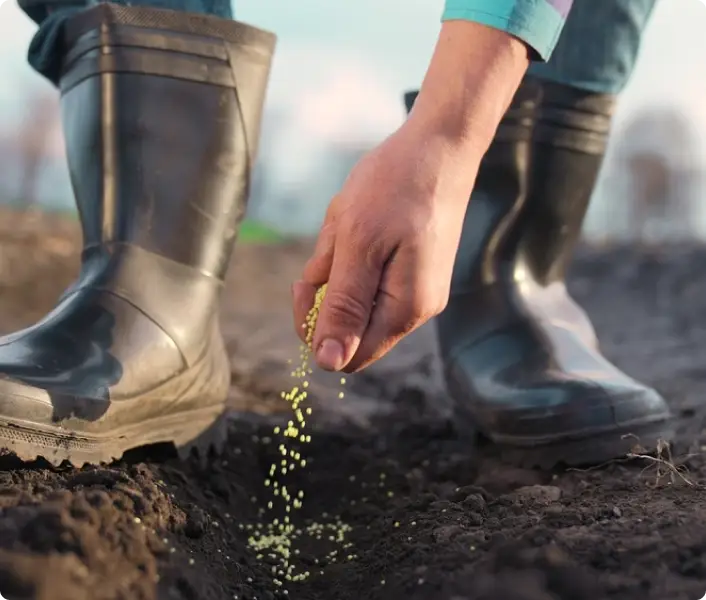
point(474, 503)
point(446, 533)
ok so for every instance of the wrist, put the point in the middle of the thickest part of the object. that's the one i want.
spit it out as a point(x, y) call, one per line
point(472, 77)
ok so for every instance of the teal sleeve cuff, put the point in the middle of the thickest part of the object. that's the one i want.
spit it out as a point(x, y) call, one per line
point(535, 22)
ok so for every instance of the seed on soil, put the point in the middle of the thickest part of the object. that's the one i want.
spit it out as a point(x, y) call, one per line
point(277, 538)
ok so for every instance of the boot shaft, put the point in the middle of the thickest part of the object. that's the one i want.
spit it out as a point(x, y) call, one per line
point(533, 186)
point(569, 141)
point(162, 114)
point(499, 195)
point(499, 192)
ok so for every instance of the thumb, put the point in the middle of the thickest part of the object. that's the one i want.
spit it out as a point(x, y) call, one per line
point(350, 296)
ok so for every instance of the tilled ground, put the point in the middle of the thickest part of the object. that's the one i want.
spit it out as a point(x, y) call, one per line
point(430, 517)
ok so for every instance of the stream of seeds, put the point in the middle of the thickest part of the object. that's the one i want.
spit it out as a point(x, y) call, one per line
point(275, 540)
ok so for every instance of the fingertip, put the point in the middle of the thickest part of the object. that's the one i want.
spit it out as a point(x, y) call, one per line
point(303, 295)
point(330, 355)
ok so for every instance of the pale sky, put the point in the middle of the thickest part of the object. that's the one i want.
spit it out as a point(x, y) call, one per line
point(342, 66)
point(386, 44)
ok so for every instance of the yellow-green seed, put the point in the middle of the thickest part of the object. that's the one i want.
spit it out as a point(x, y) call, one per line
point(277, 538)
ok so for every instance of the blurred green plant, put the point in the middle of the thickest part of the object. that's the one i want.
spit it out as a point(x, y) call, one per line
point(257, 233)
point(251, 232)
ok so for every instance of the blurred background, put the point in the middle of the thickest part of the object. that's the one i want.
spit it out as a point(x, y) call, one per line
point(336, 90)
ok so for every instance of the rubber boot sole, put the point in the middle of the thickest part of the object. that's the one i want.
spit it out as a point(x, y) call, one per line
point(583, 449)
point(202, 430)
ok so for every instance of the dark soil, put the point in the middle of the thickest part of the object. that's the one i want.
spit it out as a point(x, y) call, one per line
point(446, 523)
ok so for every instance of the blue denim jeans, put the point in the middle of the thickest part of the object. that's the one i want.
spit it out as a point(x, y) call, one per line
point(45, 49)
point(598, 47)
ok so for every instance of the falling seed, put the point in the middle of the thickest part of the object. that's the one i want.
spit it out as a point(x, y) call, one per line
point(277, 538)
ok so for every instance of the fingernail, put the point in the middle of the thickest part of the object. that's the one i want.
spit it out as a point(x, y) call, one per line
point(329, 356)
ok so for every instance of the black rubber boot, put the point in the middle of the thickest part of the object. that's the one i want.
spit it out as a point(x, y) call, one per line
point(520, 356)
point(161, 113)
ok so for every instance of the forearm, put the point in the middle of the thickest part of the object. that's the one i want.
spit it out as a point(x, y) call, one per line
point(538, 23)
point(473, 75)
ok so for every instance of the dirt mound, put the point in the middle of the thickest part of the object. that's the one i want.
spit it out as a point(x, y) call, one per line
point(431, 517)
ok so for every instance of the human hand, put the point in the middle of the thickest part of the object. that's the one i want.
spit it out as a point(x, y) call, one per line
point(386, 248)
point(389, 239)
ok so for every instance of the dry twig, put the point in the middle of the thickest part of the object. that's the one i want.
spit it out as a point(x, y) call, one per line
point(660, 458)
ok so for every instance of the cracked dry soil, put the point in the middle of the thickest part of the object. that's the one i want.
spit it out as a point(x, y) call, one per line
point(447, 522)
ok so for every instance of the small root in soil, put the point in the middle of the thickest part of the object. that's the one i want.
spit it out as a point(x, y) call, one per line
point(660, 459)
point(663, 464)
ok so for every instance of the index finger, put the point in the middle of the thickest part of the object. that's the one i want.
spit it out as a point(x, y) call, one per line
point(345, 312)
